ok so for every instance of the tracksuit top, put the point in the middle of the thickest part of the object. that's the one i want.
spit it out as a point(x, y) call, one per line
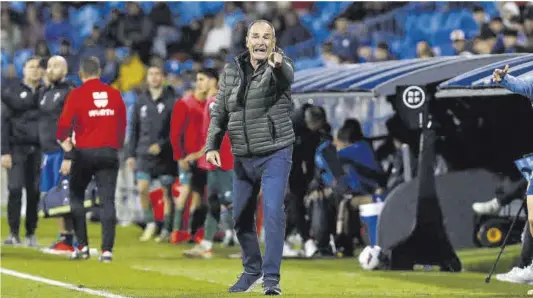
point(186, 127)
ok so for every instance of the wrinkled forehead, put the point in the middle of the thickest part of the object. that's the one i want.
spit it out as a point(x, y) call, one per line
point(260, 28)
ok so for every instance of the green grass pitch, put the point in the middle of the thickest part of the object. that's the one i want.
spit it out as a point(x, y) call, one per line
point(159, 270)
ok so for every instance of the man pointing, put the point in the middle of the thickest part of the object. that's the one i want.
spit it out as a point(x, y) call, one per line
point(253, 104)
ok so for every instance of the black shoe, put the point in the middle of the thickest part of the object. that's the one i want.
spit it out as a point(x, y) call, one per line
point(82, 254)
point(271, 287)
point(246, 283)
point(12, 240)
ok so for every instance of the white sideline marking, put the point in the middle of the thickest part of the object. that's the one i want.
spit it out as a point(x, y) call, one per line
point(59, 284)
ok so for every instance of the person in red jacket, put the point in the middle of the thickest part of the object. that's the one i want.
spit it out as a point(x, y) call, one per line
point(219, 181)
point(97, 115)
point(185, 127)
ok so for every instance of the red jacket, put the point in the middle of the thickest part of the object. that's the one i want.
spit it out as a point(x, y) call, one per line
point(226, 155)
point(97, 115)
point(186, 126)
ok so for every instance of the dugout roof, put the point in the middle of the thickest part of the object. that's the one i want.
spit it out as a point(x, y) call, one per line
point(478, 82)
point(381, 78)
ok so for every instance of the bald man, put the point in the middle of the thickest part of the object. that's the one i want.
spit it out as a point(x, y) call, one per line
point(253, 104)
point(51, 104)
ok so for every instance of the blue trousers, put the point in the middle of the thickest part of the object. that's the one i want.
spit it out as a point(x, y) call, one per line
point(271, 173)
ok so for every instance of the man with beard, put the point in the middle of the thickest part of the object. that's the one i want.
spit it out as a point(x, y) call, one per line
point(149, 149)
point(21, 155)
point(51, 103)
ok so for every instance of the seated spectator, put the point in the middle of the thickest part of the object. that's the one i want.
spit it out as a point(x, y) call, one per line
point(479, 15)
point(424, 50)
point(131, 73)
point(485, 41)
point(382, 52)
point(110, 32)
point(136, 29)
point(33, 27)
point(328, 57)
point(294, 32)
point(41, 50)
point(508, 10)
point(11, 34)
point(365, 52)
point(9, 75)
point(58, 28)
point(68, 53)
point(458, 40)
point(528, 27)
point(218, 38)
point(110, 67)
point(496, 25)
point(344, 42)
point(510, 41)
point(91, 47)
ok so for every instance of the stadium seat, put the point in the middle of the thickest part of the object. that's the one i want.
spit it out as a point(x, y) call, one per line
point(18, 6)
point(54, 47)
point(122, 53)
point(146, 6)
point(20, 58)
point(5, 58)
point(173, 66)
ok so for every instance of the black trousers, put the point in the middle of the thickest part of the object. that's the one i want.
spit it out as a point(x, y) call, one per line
point(103, 164)
point(526, 255)
point(295, 206)
point(23, 174)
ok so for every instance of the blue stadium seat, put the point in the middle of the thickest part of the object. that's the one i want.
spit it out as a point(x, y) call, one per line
point(129, 98)
point(75, 79)
point(54, 47)
point(173, 67)
point(146, 6)
point(187, 65)
point(212, 6)
point(5, 58)
point(18, 6)
point(20, 58)
point(122, 53)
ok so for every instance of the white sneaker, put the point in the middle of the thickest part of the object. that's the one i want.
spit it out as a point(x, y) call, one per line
point(518, 275)
point(149, 232)
point(310, 248)
point(288, 252)
point(488, 207)
point(295, 239)
point(510, 276)
point(530, 292)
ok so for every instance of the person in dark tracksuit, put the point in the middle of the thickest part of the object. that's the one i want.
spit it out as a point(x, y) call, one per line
point(253, 104)
point(21, 155)
point(97, 115)
point(51, 102)
point(149, 149)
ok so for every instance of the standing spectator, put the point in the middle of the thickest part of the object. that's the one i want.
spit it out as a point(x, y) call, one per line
point(459, 43)
point(136, 30)
point(218, 38)
point(58, 28)
point(294, 31)
point(345, 43)
point(166, 33)
point(21, 155)
point(11, 35)
point(33, 29)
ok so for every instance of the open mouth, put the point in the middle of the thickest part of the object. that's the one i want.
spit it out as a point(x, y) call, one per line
point(260, 50)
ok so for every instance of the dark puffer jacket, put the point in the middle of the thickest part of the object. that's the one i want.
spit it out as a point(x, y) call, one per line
point(256, 115)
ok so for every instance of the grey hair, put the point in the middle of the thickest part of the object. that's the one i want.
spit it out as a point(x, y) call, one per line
point(262, 21)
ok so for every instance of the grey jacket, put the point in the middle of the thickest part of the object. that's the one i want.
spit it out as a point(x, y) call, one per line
point(256, 115)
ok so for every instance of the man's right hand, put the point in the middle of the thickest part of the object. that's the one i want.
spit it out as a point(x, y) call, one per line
point(7, 162)
point(499, 74)
point(131, 163)
point(213, 157)
point(184, 165)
